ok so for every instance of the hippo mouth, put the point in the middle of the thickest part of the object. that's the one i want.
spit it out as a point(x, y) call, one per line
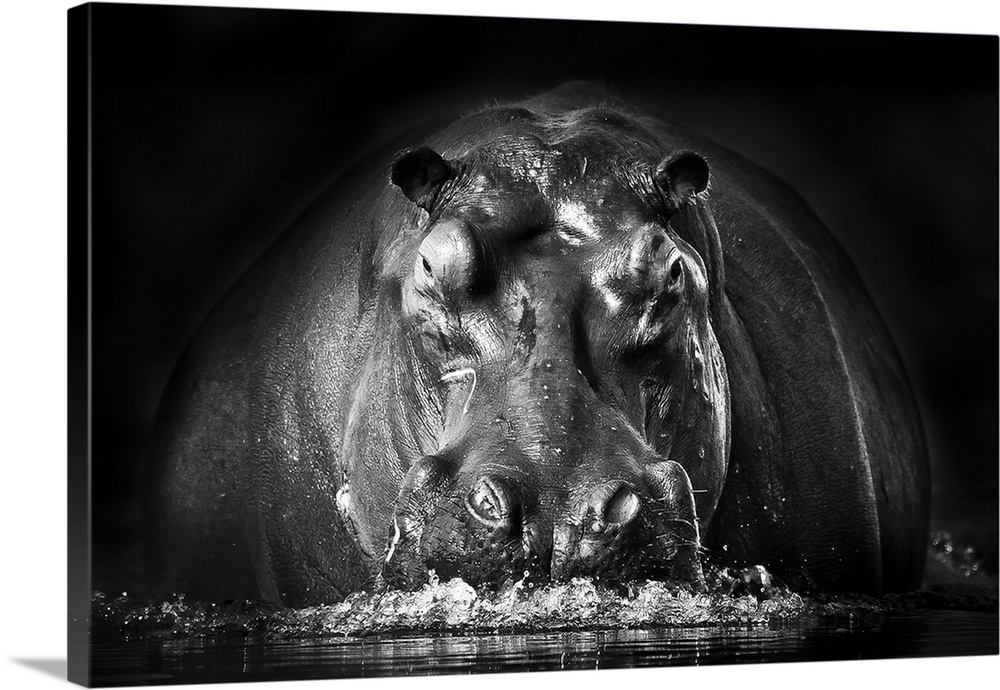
point(492, 532)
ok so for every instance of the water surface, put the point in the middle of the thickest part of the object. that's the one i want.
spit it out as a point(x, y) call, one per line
point(449, 627)
point(231, 657)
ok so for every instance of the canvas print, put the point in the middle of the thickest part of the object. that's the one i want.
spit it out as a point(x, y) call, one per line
point(427, 345)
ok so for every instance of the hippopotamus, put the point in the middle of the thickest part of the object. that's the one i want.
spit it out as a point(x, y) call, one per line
point(536, 341)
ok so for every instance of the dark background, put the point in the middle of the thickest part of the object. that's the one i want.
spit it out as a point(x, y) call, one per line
point(213, 128)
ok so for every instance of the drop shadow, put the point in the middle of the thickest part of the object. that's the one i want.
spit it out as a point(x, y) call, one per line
point(52, 667)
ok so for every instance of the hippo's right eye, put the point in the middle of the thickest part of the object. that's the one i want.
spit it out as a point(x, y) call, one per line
point(447, 259)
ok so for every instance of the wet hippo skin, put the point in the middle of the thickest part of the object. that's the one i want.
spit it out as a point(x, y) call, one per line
point(553, 339)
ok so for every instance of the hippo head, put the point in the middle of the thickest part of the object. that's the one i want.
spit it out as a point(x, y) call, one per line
point(573, 394)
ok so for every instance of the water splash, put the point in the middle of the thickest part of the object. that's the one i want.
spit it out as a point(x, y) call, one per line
point(956, 569)
point(578, 604)
point(962, 561)
point(745, 599)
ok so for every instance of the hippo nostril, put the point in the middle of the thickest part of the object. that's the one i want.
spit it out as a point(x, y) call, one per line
point(612, 503)
point(488, 502)
point(623, 506)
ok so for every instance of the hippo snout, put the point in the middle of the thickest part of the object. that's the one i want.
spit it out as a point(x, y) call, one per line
point(512, 523)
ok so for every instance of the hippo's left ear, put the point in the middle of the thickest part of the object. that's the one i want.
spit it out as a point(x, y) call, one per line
point(420, 174)
point(680, 176)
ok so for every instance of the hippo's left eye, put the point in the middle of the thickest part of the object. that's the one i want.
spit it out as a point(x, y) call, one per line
point(676, 270)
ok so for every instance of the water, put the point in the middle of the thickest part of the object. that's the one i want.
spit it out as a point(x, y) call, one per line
point(229, 657)
point(449, 627)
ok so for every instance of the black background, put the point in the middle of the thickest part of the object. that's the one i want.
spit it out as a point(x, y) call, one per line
point(213, 128)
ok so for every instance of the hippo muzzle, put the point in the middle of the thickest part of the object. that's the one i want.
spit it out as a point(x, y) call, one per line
point(495, 528)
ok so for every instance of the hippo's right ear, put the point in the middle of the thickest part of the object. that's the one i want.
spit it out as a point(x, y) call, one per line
point(420, 174)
